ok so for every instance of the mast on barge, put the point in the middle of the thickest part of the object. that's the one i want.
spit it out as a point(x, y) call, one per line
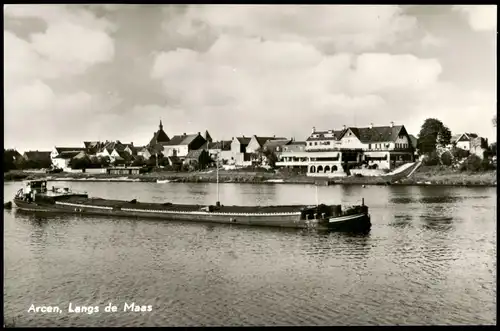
point(217, 166)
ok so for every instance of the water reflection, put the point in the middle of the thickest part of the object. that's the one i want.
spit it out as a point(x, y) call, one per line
point(437, 223)
point(440, 199)
point(402, 221)
point(422, 262)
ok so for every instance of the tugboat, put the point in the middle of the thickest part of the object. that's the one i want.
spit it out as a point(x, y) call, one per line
point(36, 197)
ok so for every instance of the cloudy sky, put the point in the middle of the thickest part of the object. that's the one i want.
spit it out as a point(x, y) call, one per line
point(97, 72)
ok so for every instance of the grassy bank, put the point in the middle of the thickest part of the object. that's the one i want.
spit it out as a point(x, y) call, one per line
point(440, 175)
point(423, 176)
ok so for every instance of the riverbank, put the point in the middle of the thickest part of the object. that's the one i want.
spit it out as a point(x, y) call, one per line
point(423, 176)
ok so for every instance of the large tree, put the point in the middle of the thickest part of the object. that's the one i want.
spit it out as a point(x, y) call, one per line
point(271, 157)
point(139, 161)
point(204, 159)
point(432, 133)
point(80, 163)
point(104, 161)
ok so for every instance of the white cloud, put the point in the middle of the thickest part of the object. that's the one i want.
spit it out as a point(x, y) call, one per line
point(481, 17)
point(276, 79)
point(430, 40)
point(53, 14)
point(383, 72)
point(268, 66)
point(74, 41)
point(264, 69)
point(74, 45)
point(460, 110)
point(338, 25)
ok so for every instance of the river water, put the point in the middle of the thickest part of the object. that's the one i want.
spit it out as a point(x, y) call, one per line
point(430, 258)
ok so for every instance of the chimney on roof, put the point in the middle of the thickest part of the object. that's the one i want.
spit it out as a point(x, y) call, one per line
point(392, 124)
point(313, 129)
point(184, 133)
point(344, 127)
point(371, 125)
point(274, 136)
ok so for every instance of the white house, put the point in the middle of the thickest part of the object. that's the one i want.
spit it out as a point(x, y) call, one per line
point(256, 142)
point(180, 145)
point(61, 156)
point(323, 140)
point(383, 147)
point(144, 152)
point(292, 155)
point(239, 155)
point(470, 142)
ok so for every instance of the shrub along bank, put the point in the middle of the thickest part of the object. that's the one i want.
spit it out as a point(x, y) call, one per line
point(425, 175)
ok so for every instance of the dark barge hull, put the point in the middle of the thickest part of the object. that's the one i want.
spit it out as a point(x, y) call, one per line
point(282, 216)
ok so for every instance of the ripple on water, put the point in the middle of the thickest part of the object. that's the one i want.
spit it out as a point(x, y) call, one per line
point(430, 258)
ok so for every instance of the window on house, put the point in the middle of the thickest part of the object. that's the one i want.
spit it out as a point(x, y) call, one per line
point(315, 143)
point(369, 146)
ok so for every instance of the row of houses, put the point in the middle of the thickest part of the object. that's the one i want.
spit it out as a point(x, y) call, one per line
point(326, 152)
point(322, 153)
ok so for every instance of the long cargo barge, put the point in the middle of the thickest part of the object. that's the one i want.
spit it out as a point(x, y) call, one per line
point(37, 198)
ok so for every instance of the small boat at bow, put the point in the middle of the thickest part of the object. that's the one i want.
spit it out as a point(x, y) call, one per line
point(36, 197)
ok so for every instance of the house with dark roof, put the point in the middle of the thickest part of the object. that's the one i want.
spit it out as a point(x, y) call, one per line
point(463, 140)
point(295, 146)
point(120, 156)
point(218, 146)
point(293, 155)
point(382, 146)
point(193, 156)
point(239, 155)
point(159, 137)
point(219, 149)
point(58, 150)
point(239, 144)
point(276, 145)
point(324, 140)
point(92, 147)
point(470, 142)
point(181, 145)
point(108, 147)
point(62, 160)
point(334, 152)
point(144, 151)
point(257, 143)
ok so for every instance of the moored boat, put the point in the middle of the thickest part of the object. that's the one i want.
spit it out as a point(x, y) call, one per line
point(37, 197)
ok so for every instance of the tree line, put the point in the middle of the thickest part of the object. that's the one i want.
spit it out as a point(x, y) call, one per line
point(11, 161)
point(434, 136)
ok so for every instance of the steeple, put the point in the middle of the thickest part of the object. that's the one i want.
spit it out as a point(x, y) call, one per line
point(161, 126)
